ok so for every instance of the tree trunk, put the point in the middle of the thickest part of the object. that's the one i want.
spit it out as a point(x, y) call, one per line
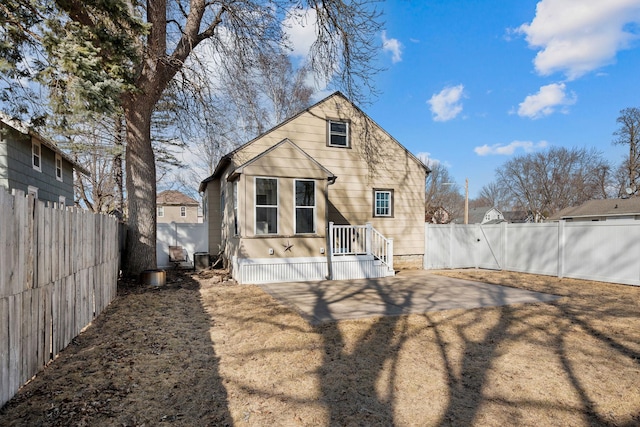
point(141, 186)
point(117, 167)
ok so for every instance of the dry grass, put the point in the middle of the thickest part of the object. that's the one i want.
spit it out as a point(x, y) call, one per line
point(201, 353)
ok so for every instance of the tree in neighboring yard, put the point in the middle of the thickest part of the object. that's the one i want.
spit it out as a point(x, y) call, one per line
point(629, 134)
point(492, 195)
point(443, 201)
point(121, 54)
point(546, 182)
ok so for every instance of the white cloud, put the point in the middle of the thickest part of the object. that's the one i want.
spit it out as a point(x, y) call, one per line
point(578, 36)
point(509, 149)
point(546, 101)
point(425, 157)
point(393, 46)
point(446, 105)
point(300, 26)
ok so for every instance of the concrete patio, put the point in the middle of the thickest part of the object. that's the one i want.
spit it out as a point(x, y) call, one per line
point(414, 291)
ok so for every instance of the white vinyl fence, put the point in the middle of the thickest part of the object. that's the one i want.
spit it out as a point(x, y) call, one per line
point(603, 251)
point(192, 237)
point(58, 271)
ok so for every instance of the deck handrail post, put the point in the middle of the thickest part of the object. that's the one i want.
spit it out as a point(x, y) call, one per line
point(368, 238)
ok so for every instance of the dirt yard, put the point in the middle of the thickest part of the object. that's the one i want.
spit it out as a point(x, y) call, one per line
point(200, 353)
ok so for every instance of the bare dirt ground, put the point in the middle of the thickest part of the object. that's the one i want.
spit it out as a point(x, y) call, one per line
point(197, 352)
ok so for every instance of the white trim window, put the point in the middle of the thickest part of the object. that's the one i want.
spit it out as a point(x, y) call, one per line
point(305, 206)
point(183, 211)
point(383, 203)
point(36, 158)
point(32, 191)
point(58, 167)
point(266, 190)
point(338, 133)
point(160, 211)
point(236, 224)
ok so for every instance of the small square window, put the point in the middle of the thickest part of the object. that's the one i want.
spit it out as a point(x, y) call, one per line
point(383, 203)
point(35, 156)
point(338, 134)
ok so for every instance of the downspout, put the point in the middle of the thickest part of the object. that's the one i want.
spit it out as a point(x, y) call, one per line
point(330, 181)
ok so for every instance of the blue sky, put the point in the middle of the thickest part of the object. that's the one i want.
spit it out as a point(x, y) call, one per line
point(473, 83)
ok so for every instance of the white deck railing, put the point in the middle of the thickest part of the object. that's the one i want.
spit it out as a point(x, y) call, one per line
point(360, 240)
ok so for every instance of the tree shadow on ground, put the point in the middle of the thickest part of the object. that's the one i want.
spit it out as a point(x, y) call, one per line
point(147, 359)
point(360, 383)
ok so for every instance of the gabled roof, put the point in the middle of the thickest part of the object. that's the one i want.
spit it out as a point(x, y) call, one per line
point(285, 142)
point(25, 129)
point(600, 208)
point(174, 197)
point(226, 160)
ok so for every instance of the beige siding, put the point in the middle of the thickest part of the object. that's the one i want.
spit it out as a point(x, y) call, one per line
point(213, 216)
point(374, 160)
point(172, 214)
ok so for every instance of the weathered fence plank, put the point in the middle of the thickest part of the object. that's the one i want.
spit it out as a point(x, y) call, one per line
point(58, 270)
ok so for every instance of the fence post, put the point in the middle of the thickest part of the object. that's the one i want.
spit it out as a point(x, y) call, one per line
point(561, 241)
point(505, 252)
point(368, 237)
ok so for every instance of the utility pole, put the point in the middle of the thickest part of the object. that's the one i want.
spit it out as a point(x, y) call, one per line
point(466, 200)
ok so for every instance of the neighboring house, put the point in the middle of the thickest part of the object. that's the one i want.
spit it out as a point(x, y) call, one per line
point(325, 194)
point(602, 210)
point(518, 217)
point(174, 206)
point(483, 215)
point(35, 165)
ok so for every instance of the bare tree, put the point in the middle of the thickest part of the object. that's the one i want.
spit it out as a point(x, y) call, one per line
point(443, 201)
point(629, 134)
point(546, 182)
point(492, 195)
point(344, 50)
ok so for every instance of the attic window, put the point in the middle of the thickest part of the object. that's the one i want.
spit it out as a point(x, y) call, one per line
point(338, 133)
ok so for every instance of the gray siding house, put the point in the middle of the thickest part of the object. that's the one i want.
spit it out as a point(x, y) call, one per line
point(33, 164)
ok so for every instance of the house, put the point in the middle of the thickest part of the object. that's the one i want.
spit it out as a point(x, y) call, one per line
point(175, 206)
point(325, 194)
point(483, 215)
point(518, 217)
point(602, 210)
point(33, 164)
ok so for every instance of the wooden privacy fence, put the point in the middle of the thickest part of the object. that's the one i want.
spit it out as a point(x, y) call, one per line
point(606, 251)
point(58, 271)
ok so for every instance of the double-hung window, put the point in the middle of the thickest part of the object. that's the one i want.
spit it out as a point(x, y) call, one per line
point(383, 203)
point(160, 211)
point(338, 133)
point(58, 167)
point(35, 156)
point(183, 211)
point(266, 206)
point(236, 227)
point(305, 206)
